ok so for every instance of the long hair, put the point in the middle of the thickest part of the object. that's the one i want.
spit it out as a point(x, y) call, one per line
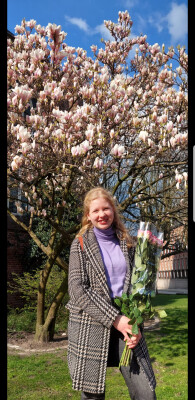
point(117, 224)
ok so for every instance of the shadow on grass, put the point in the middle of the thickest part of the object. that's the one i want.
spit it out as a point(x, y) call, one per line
point(171, 339)
point(168, 299)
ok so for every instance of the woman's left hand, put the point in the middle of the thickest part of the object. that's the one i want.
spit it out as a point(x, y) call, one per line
point(133, 340)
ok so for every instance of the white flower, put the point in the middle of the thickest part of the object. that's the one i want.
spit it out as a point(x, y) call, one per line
point(152, 158)
point(143, 135)
point(98, 163)
point(118, 150)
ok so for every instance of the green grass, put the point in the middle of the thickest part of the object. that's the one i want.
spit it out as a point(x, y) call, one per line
point(46, 376)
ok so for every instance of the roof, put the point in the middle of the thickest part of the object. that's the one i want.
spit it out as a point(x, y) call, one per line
point(10, 35)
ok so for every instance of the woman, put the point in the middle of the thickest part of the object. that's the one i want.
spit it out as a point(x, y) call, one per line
point(100, 266)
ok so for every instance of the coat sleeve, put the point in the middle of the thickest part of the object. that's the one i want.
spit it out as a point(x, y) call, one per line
point(82, 295)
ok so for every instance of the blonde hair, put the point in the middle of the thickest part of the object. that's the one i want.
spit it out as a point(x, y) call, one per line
point(94, 194)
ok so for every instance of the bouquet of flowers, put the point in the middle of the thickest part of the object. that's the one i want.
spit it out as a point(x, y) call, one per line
point(137, 306)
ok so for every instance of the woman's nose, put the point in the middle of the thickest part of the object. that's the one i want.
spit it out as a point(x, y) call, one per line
point(101, 213)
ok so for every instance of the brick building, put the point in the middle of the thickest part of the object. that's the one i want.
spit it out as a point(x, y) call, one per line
point(173, 270)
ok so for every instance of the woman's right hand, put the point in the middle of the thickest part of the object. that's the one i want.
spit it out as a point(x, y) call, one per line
point(122, 325)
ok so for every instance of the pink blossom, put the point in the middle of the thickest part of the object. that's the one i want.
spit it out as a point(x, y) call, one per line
point(25, 147)
point(31, 24)
point(118, 150)
point(98, 163)
point(16, 163)
point(112, 133)
point(19, 29)
point(169, 126)
point(23, 92)
point(173, 141)
point(143, 135)
point(177, 185)
point(23, 134)
point(152, 159)
point(37, 55)
point(179, 178)
point(150, 142)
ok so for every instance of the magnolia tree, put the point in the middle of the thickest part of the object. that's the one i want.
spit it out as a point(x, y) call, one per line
point(118, 120)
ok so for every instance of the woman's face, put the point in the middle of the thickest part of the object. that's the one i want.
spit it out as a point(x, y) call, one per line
point(101, 213)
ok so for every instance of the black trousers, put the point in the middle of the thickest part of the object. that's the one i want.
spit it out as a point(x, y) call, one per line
point(134, 377)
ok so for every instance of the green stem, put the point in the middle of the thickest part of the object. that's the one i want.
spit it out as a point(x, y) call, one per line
point(124, 361)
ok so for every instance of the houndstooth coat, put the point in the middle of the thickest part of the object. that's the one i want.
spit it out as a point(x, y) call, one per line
point(91, 315)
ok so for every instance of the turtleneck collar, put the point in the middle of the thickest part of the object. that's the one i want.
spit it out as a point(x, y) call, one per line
point(105, 234)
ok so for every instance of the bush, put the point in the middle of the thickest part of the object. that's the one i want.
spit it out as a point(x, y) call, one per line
point(27, 285)
point(21, 320)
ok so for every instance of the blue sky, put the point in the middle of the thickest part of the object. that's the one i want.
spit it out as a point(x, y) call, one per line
point(83, 20)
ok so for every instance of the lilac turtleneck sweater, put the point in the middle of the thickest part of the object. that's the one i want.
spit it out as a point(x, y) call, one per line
point(113, 259)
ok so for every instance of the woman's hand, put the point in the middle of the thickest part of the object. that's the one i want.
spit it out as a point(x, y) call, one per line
point(133, 340)
point(122, 325)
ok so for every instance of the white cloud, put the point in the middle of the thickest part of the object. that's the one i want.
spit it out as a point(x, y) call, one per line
point(81, 23)
point(177, 20)
point(130, 3)
point(157, 20)
point(105, 33)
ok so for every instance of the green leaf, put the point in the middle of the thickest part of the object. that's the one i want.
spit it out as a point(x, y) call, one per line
point(139, 320)
point(124, 296)
point(139, 286)
point(135, 329)
point(132, 321)
point(124, 309)
point(117, 302)
point(136, 312)
point(162, 313)
point(142, 307)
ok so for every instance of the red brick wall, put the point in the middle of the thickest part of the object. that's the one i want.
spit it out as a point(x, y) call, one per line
point(17, 242)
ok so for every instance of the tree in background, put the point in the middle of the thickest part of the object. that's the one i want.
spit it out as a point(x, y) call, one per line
point(118, 120)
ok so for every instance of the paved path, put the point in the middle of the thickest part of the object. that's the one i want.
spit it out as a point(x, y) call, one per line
point(172, 291)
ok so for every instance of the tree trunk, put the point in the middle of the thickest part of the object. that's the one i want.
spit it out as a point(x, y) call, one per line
point(45, 332)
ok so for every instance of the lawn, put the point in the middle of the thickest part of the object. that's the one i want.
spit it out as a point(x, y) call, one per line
point(46, 376)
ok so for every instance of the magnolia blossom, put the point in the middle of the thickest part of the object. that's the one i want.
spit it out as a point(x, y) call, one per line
point(84, 105)
point(90, 131)
point(112, 133)
point(81, 149)
point(23, 135)
point(143, 135)
point(22, 93)
point(118, 150)
point(152, 159)
point(98, 163)
point(16, 163)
